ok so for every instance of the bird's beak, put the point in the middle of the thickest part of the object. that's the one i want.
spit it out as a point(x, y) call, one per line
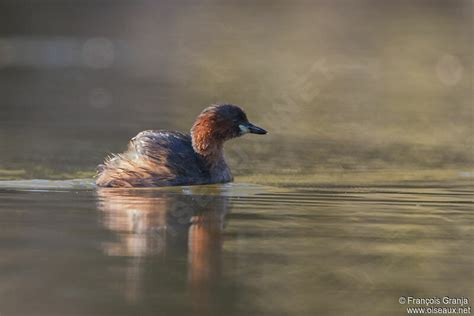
point(250, 128)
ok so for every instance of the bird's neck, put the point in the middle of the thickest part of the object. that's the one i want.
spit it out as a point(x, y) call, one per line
point(212, 153)
point(208, 143)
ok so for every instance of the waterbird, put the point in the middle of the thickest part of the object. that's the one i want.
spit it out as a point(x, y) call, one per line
point(168, 158)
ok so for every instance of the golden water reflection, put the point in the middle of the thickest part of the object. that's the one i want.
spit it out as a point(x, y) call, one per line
point(154, 224)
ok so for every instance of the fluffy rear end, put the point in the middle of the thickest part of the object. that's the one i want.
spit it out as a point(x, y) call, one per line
point(121, 171)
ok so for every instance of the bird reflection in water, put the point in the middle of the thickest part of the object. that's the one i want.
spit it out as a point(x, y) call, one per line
point(166, 226)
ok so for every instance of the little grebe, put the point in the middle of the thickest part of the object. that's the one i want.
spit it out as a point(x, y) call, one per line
point(164, 158)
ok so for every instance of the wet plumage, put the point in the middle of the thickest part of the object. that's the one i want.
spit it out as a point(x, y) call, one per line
point(166, 158)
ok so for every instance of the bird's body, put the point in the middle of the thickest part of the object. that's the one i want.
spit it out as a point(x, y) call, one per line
point(159, 158)
point(166, 158)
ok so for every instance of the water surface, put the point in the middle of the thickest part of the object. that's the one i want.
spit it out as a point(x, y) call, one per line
point(361, 192)
point(234, 249)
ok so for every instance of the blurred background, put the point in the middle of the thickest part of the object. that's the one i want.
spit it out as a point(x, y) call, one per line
point(340, 85)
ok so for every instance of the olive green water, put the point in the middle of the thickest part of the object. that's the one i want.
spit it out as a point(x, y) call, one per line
point(361, 193)
point(234, 249)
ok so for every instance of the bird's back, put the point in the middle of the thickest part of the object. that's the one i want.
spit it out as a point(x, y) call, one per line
point(155, 158)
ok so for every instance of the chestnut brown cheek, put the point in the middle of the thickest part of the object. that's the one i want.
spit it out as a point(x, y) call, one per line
point(218, 132)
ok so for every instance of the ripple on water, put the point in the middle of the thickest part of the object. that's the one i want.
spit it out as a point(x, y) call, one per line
point(331, 247)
